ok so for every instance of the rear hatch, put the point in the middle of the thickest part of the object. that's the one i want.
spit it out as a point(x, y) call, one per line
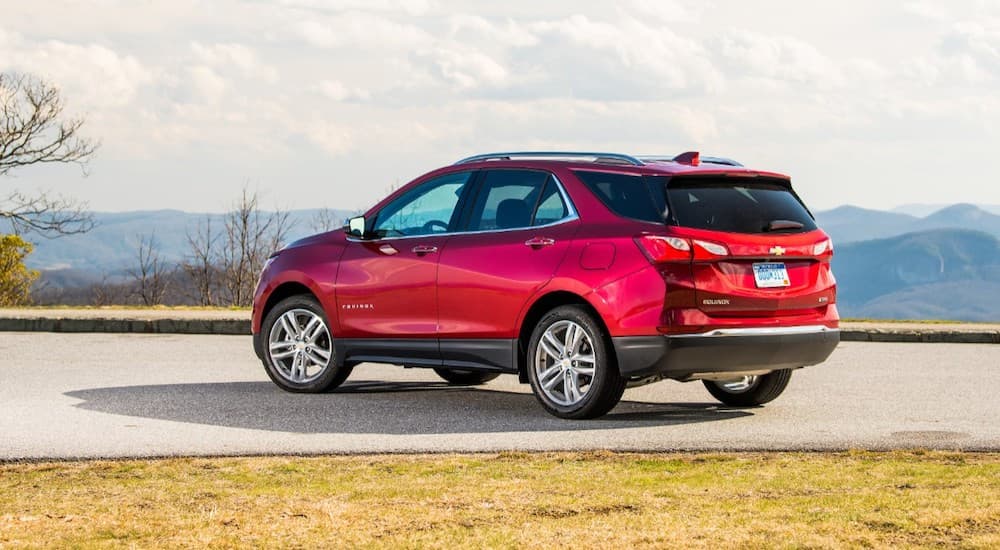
point(756, 250)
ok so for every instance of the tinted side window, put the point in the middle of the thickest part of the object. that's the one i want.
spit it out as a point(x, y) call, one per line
point(627, 195)
point(426, 209)
point(736, 205)
point(507, 199)
point(551, 207)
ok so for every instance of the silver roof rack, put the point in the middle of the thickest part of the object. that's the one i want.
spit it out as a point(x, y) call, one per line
point(607, 158)
point(721, 160)
point(704, 160)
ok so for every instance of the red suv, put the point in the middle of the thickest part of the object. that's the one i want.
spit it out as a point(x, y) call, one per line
point(582, 273)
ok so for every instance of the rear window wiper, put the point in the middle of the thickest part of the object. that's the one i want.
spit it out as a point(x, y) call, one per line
point(783, 225)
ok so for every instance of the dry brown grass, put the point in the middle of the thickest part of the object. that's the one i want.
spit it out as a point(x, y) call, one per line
point(599, 500)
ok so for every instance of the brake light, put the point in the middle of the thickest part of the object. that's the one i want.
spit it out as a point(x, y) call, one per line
point(664, 249)
point(659, 248)
point(692, 158)
point(823, 249)
point(714, 250)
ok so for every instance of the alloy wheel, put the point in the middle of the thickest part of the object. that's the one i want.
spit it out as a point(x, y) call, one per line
point(300, 346)
point(564, 363)
point(738, 385)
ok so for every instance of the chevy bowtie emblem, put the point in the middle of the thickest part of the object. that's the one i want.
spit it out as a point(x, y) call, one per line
point(777, 251)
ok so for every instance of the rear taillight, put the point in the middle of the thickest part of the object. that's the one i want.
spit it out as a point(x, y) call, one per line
point(704, 250)
point(664, 249)
point(659, 248)
point(823, 249)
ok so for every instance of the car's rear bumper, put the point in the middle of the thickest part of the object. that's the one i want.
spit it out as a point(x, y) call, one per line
point(683, 357)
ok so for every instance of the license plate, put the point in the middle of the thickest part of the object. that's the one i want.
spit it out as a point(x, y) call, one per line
point(770, 275)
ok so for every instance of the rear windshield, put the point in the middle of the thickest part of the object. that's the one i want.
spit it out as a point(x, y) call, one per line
point(731, 204)
point(736, 205)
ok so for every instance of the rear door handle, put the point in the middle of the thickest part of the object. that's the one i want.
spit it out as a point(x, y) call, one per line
point(538, 242)
point(422, 249)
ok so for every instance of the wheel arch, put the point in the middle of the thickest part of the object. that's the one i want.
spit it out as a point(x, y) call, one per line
point(542, 305)
point(286, 289)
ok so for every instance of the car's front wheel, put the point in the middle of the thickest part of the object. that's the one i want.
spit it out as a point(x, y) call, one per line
point(750, 391)
point(571, 367)
point(299, 354)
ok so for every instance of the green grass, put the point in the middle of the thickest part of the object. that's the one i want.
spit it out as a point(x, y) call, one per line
point(509, 500)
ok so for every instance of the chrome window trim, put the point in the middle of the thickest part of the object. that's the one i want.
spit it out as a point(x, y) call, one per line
point(758, 331)
point(571, 216)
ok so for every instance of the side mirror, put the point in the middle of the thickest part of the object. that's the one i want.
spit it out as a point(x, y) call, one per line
point(356, 227)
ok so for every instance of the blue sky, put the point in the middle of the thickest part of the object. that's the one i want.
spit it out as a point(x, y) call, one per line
point(328, 103)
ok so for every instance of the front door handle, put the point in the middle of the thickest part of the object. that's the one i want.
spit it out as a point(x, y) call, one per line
point(538, 242)
point(422, 249)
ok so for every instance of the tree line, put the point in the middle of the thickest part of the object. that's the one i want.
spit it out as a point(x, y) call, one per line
point(220, 266)
point(222, 263)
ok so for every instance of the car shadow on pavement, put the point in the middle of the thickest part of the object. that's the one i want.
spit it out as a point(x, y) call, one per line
point(375, 407)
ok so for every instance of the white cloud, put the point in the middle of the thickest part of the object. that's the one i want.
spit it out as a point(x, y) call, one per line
point(232, 56)
point(672, 11)
point(207, 83)
point(338, 91)
point(928, 9)
point(293, 86)
point(625, 58)
point(93, 75)
point(976, 44)
point(408, 7)
point(473, 28)
point(354, 30)
point(331, 138)
point(467, 68)
point(781, 58)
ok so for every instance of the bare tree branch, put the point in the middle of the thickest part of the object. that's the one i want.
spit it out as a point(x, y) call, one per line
point(150, 274)
point(45, 214)
point(33, 130)
point(251, 236)
point(325, 220)
point(201, 265)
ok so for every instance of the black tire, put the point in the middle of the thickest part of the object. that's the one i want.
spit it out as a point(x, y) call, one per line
point(329, 377)
point(765, 389)
point(458, 377)
point(605, 386)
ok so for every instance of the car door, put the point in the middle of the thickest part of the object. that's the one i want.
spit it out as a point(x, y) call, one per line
point(386, 296)
point(519, 228)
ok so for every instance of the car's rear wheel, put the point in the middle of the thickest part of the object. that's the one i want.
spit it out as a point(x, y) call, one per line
point(299, 353)
point(460, 377)
point(750, 391)
point(570, 365)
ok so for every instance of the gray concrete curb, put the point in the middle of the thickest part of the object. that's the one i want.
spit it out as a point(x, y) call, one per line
point(936, 334)
point(144, 326)
point(923, 336)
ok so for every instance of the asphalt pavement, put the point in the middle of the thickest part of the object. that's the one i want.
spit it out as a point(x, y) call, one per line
point(134, 395)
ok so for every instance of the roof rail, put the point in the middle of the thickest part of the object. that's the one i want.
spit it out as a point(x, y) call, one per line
point(598, 157)
point(721, 160)
point(703, 160)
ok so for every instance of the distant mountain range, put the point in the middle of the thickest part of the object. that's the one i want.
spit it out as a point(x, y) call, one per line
point(111, 246)
point(889, 265)
point(923, 210)
point(851, 223)
point(937, 274)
